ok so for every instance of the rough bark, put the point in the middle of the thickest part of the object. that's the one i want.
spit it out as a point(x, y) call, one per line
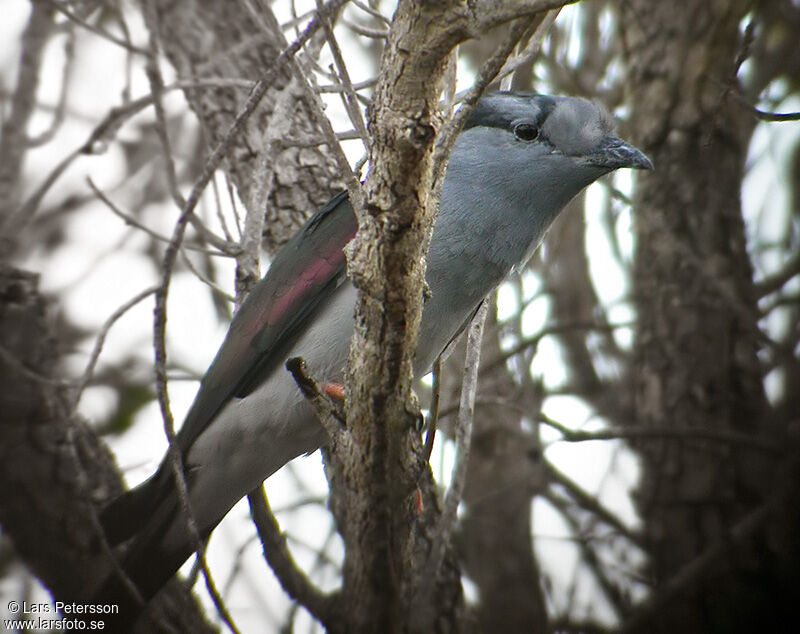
point(696, 363)
point(225, 40)
point(387, 266)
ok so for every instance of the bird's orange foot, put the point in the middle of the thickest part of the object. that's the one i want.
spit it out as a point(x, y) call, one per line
point(334, 390)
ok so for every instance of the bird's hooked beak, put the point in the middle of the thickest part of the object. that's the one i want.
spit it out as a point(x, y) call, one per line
point(614, 153)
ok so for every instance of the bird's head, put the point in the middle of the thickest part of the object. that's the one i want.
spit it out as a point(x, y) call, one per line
point(563, 140)
point(519, 160)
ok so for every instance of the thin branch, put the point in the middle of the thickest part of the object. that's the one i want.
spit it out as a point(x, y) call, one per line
point(590, 503)
point(534, 340)
point(632, 432)
point(466, 413)
point(61, 8)
point(533, 47)
point(685, 433)
point(60, 109)
point(276, 552)
point(132, 221)
point(776, 281)
point(296, 20)
point(88, 373)
point(327, 410)
point(362, 85)
point(221, 292)
point(352, 184)
point(375, 34)
point(218, 210)
point(589, 556)
point(157, 91)
point(351, 100)
point(487, 74)
point(433, 417)
point(761, 115)
point(103, 133)
point(173, 453)
point(370, 11)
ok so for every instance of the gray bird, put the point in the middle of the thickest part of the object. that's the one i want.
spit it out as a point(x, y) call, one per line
point(516, 164)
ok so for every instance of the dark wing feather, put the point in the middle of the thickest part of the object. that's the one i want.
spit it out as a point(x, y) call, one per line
point(303, 274)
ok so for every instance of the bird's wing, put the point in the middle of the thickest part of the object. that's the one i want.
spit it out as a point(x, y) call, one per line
point(302, 275)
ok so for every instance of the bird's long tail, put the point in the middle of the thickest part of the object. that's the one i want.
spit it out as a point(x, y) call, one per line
point(146, 516)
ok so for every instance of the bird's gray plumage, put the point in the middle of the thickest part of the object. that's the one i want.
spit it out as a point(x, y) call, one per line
point(518, 161)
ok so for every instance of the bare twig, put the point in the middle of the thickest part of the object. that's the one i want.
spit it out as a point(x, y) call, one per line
point(487, 74)
point(630, 431)
point(761, 115)
point(686, 433)
point(776, 281)
point(218, 210)
point(221, 292)
point(327, 410)
point(132, 221)
point(350, 97)
point(533, 46)
point(86, 377)
point(466, 412)
point(157, 91)
point(375, 34)
point(589, 555)
point(173, 453)
point(367, 83)
point(61, 106)
point(373, 12)
point(352, 184)
point(278, 129)
point(296, 584)
point(590, 503)
point(433, 417)
point(533, 341)
point(61, 8)
point(297, 19)
point(98, 140)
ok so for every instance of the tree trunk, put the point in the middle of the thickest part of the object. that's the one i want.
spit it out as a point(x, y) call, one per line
point(695, 361)
point(54, 472)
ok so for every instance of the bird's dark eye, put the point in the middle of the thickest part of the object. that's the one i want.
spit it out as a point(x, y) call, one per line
point(526, 131)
